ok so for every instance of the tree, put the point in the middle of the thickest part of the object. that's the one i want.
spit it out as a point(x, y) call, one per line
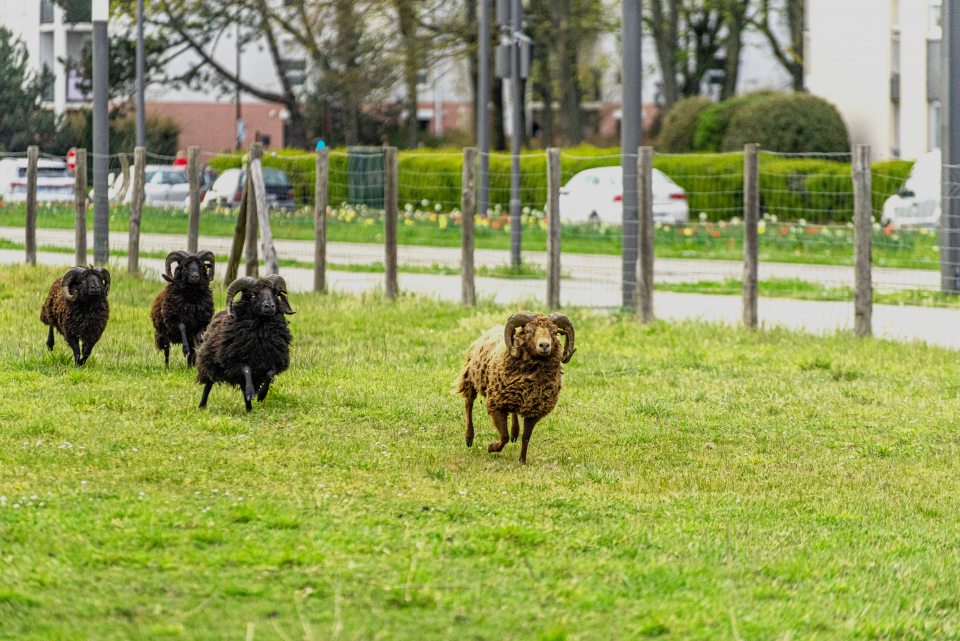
point(123, 65)
point(23, 120)
point(737, 20)
point(791, 54)
point(408, 25)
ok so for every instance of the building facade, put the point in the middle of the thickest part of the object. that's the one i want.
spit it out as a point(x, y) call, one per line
point(879, 62)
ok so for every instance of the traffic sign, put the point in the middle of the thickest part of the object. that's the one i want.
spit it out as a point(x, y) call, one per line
point(72, 160)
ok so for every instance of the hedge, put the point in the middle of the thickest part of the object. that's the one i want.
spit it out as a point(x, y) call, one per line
point(818, 191)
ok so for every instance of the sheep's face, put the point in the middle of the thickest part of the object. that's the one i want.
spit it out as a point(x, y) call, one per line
point(85, 284)
point(192, 272)
point(268, 301)
point(538, 338)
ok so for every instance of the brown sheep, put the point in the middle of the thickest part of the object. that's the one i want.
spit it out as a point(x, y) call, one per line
point(78, 308)
point(524, 380)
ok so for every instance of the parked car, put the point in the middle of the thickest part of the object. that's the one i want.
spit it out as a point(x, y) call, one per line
point(918, 203)
point(228, 190)
point(54, 182)
point(597, 195)
point(164, 186)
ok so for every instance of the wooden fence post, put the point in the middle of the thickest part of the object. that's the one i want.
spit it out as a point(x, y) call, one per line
point(263, 214)
point(862, 240)
point(33, 157)
point(468, 212)
point(239, 235)
point(253, 261)
point(125, 172)
point(644, 293)
point(751, 218)
point(390, 205)
point(320, 220)
point(136, 208)
point(554, 178)
point(80, 202)
point(193, 169)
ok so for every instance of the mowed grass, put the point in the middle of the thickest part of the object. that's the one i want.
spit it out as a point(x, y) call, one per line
point(695, 482)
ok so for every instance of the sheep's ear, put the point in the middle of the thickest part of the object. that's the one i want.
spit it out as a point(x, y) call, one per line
point(285, 305)
point(514, 349)
point(167, 278)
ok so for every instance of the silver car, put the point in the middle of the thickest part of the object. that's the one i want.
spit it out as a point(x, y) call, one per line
point(228, 190)
point(165, 186)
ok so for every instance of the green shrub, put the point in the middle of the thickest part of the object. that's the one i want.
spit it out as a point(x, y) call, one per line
point(711, 126)
point(789, 123)
point(680, 125)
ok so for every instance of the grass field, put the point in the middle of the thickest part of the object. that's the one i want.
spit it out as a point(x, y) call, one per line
point(695, 482)
point(780, 242)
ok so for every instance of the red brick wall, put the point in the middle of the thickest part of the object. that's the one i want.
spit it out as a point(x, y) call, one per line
point(212, 126)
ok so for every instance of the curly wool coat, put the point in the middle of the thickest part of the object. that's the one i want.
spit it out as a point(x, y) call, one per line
point(527, 386)
point(180, 302)
point(77, 321)
point(262, 343)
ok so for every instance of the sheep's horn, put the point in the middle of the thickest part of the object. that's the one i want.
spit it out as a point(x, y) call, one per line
point(174, 257)
point(68, 279)
point(208, 259)
point(237, 286)
point(105, 277)
point(566, 327)
point(520, 319)
point(276, 280)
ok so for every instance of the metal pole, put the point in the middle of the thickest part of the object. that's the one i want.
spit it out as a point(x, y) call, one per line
point(141, 108)
point(517, 104)
point(631, 137)
point(862, 232)
point(751, 220)
point(483, 114)
point(101, 132)
point(950, 148)
point(30, 230)
point(553, 227)
point(239, 110)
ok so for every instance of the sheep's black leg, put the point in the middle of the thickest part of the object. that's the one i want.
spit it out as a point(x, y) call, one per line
point(75, 346)
point(166, 355)
point(262, 394)
point(528, 425)
point(515, 428)
point(206, 393)
point(186, 343)
point(50, 339)
point(471, 397)
point(249, 391)
point(500, 422)
point(87, 348)
point(198, 339)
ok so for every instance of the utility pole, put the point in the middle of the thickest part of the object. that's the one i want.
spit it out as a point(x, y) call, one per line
point(141, 109)
point(631, 137)
point(514, 56)
point(950, 148)
point(241, 128)
point(101, 131)
point(483, 113)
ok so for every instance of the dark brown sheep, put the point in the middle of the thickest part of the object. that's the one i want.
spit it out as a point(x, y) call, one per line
point(523, 380)
point(77, 307)
point(248, 344)
point(183, 309)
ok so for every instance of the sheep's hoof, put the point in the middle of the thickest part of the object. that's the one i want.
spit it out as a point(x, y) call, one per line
point(469, 440)
point(514, 437)
point(523, 460)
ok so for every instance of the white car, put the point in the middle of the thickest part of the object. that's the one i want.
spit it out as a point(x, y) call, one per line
point(54, 182)
point(164, 186)
point(597, 195)
point(918, 203)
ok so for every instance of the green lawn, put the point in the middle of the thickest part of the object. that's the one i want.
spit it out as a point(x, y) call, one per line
point(780, 242)
point(695, 482)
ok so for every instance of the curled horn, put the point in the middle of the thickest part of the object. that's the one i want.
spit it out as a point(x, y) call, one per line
point(566, 328)
point(174, 257)
point(277, 281)
point(237, 286)
point(208, 259)
point(520, 319)
point(105, 277)
point(68, 279)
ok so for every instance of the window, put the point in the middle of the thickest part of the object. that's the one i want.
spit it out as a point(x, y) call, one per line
point(895, 52)
point(933, 126)
point(895, 148)
point(935, 15)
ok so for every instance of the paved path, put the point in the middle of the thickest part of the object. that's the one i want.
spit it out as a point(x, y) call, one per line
point(595, 269)
point(936, 326)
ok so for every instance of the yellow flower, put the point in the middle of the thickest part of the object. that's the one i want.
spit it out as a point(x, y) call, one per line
point(408, 222)
point(443, 222)
point(433, 218)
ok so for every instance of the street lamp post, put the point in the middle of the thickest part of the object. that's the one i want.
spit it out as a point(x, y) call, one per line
point(100, 11)
point(141, 109)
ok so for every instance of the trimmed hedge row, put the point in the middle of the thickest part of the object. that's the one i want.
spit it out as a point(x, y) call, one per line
point(818, 191)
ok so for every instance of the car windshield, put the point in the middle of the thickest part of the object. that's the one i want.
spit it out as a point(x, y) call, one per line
point(272, 178)
point(45, 172)
point(166, 177)
point(924, 180)
point(227, 182)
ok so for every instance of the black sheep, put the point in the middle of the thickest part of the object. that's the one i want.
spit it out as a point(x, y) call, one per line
point(248, 344)
point(77, 307)
point(183, 309)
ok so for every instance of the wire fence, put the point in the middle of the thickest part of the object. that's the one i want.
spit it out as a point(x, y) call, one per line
point(805, 233)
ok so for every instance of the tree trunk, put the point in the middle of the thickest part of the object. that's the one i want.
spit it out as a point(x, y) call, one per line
point(664, 31)
point(571, 120)
point(297, 129)
point(470, 13)
point(736, 13)
point(408, 32)
point(348, 43)
point(544, 87)
point(498, 138)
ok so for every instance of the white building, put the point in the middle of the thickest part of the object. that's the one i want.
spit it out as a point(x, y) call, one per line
point(878, 61)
